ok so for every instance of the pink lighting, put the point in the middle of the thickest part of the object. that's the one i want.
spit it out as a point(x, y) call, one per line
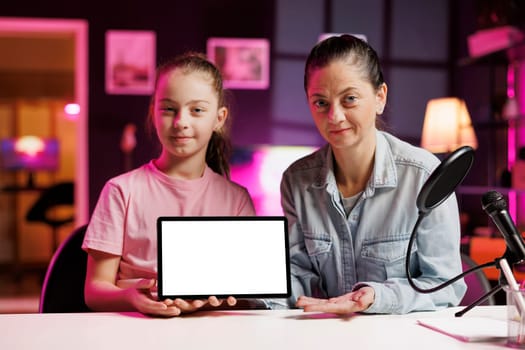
point(510, 112)
point(511, 93)
point(72, 109)
point(513, 111)
point(260, 170)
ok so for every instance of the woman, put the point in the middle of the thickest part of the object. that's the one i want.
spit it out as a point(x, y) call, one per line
point(351, 205)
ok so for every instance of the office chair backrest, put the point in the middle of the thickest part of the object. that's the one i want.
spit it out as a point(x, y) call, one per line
point(63, 288)
point(59, 194)
point(44, 209)
point(477, 284)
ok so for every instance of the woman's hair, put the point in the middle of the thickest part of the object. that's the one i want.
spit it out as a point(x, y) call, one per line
point(219, 146)
point(349, 48)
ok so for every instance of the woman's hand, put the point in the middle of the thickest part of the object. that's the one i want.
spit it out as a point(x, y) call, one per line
point(141, 293)
point(356, 301)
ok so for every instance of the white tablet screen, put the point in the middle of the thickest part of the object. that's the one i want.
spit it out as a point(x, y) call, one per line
point(223, 256)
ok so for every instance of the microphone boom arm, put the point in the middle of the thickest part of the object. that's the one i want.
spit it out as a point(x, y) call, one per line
point(444, 284)
point(458, 277)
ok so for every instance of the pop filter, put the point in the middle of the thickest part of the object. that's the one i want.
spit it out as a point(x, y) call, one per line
point(437, 188)
point(445, 178)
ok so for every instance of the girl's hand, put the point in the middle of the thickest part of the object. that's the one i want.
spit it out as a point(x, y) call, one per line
point(356, 301)
point(142, 295)
point(187, 306)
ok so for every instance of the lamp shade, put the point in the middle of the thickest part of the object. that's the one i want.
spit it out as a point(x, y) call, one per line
point(447, 126)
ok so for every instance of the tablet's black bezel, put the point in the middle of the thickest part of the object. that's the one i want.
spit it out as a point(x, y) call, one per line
point(160, 289)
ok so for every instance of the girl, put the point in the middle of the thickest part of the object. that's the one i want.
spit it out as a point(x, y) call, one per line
point(351, 205)
point(189, 178)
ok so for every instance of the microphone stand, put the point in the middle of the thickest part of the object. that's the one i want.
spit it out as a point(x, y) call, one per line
point(489, 293)
point(502, 280)
point(508, 255)
point(501, 283)
point(436, 189)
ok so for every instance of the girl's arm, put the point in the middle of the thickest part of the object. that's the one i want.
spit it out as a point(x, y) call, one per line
point(102, 294)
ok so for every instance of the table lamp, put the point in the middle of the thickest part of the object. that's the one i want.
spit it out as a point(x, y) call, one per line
point(447, 126)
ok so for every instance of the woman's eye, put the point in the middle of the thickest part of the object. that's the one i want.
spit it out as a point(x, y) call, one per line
point(350, 99)
point(320, 103)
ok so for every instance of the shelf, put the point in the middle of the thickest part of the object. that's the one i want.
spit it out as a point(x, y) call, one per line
point(484, 189)
point(517, 122)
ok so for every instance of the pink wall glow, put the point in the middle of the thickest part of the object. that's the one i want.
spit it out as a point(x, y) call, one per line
point(261, 171)
point(516, 134)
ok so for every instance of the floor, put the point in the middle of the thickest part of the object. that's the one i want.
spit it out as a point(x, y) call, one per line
point(22, 295)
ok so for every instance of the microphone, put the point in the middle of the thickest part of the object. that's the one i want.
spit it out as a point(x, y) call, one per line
point(495, 206)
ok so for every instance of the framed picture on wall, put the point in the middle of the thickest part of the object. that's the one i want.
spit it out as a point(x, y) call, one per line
point(244, 63)
point(130, 62)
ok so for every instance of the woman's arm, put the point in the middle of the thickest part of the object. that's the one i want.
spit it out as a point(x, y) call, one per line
point(305, 281)
point(435, 259)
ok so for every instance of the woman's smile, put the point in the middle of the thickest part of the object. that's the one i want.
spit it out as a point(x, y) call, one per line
point(340, 131)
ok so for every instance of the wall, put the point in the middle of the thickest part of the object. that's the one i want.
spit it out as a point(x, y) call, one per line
point(413, 39)
point(180, 26)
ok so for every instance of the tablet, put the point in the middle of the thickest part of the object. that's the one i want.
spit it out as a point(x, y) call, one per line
point(239, 256)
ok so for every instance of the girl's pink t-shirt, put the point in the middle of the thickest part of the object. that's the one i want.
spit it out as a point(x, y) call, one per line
point(125, 217)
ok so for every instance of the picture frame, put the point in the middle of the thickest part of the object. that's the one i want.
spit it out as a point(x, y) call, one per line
point(130, 62)
point(244, 63)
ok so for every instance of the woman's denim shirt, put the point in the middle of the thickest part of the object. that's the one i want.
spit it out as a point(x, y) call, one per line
point(332, 254)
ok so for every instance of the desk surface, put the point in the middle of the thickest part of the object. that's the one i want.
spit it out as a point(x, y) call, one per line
point(286, 329)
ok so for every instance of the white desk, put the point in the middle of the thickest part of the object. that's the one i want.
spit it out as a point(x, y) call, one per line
point(287, 329)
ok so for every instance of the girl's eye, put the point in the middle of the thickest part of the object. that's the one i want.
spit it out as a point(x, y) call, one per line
point(168, 110)
point(198, 110)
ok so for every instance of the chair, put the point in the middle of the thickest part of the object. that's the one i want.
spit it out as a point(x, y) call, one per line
point(477, 284)
point(59, 194)
point(63, 287)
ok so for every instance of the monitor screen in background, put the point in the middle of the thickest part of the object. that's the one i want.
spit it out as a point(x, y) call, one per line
point(29, 154)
